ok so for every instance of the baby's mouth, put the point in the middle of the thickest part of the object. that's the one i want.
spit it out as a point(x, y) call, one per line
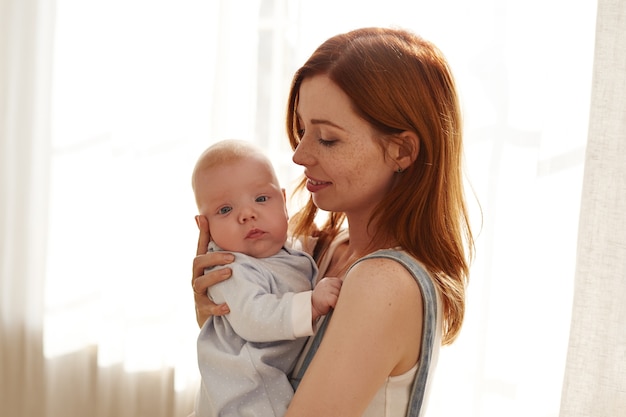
point(255, 233)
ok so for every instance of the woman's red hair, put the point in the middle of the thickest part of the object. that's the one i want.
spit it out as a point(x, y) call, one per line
point(399, 82)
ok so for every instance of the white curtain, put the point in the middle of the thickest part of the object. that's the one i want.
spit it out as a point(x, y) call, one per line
point(105, 105)
point(25, 86)
point(595, 375)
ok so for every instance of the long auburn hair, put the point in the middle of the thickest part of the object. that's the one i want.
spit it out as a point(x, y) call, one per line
point(399, 82)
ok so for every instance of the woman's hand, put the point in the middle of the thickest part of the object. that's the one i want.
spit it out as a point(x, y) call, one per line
point(200, 281)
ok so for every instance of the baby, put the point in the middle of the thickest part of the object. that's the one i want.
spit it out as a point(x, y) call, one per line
point(245, 356)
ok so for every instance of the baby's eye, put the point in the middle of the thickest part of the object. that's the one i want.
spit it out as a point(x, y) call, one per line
point(225, 210)
point(262, 199)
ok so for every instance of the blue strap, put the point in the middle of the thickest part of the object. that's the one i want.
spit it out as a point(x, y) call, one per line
point(429, 328)
point(317, 339)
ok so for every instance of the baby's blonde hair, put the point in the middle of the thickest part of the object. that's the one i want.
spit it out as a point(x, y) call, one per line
point(228, 151)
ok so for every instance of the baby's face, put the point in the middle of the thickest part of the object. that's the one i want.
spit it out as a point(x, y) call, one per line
point(245, 207)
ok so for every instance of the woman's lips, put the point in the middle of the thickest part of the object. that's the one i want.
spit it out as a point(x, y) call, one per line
point(315, 185)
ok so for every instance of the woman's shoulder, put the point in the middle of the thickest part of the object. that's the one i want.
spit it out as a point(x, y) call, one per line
point(381, 272)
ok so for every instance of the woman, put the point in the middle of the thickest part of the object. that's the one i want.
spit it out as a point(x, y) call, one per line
point(374, 119)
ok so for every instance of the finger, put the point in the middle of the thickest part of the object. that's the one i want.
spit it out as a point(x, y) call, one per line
point(219, 309)
point(205, 304)
point(201, 283)
point(205, 307)
point(204, 237)
point(208, 309)
point(209, 260)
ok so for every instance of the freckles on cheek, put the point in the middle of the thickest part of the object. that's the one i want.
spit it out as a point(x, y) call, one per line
point(362, 160)
point(359, 169)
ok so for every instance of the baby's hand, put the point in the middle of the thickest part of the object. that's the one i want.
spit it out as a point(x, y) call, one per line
point(324, 296)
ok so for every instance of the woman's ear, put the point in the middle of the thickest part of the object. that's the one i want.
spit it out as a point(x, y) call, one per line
point(404, 149)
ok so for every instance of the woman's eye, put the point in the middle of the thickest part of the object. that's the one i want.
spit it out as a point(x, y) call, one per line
point(261, 199)
point(225, 210)
point(325, 142)
point(300, 133)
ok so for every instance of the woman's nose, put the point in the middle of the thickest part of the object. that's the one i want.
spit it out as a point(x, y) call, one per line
point(301, 155)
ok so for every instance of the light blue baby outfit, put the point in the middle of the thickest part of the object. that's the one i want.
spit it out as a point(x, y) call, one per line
point(245, 356)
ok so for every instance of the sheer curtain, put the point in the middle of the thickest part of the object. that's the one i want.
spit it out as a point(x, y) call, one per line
point(25, 71)
point(105, 106)
point(595, 375)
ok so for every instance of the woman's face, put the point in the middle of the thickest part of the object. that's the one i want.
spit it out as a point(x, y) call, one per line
point(345, 166)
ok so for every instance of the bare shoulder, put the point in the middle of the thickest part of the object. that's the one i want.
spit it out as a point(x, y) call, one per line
point(381, 287)
point(381, 300)
point(383, 274)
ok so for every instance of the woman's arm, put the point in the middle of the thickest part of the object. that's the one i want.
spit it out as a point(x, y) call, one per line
point(375, 332)
point(201, 281)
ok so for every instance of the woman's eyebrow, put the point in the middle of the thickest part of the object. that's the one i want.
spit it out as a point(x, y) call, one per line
point(323, 122)
point(326, 122)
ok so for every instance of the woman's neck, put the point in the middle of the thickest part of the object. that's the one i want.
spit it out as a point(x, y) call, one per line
point(363, 240)
point(360, 243)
